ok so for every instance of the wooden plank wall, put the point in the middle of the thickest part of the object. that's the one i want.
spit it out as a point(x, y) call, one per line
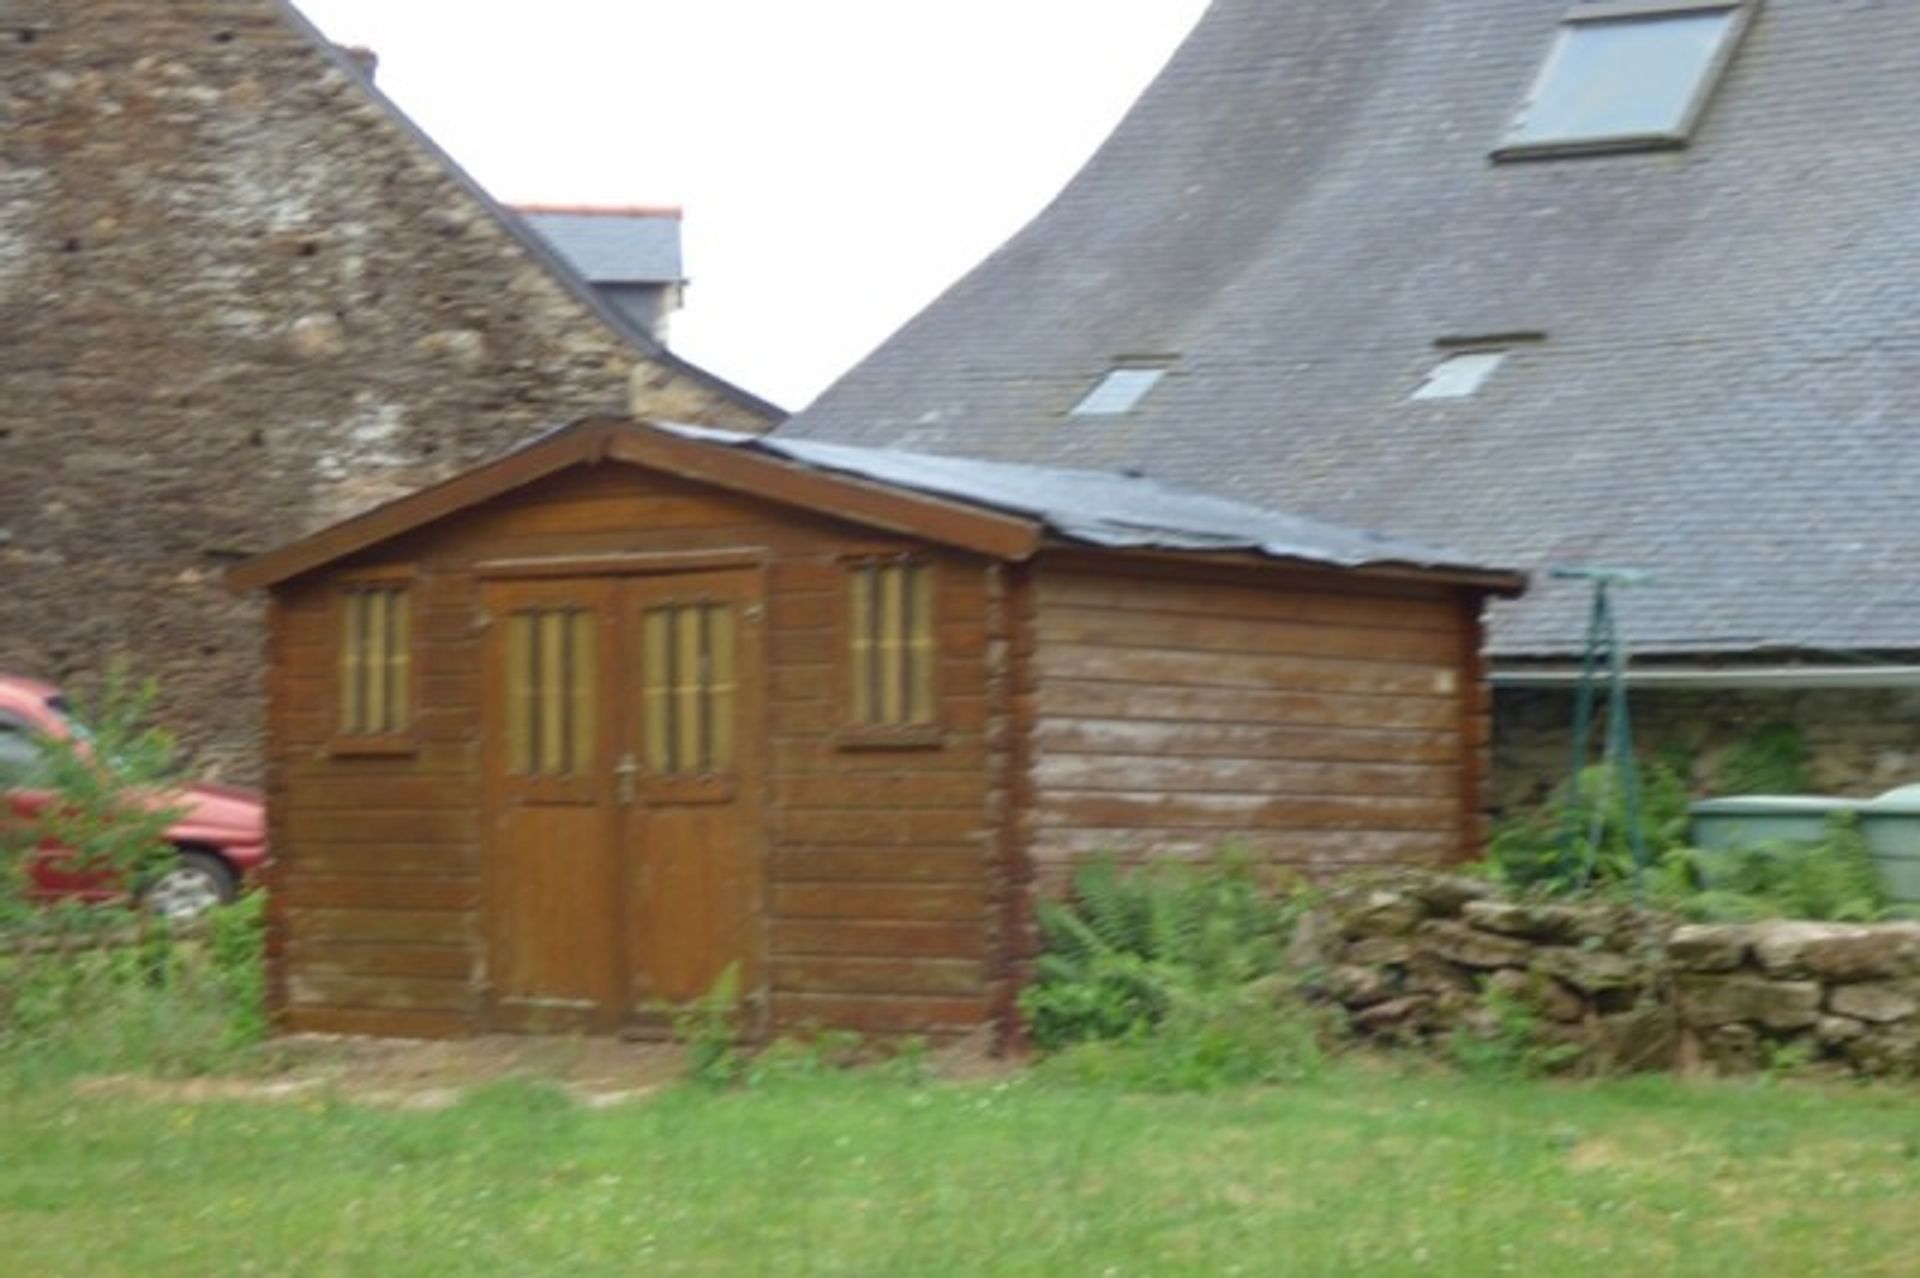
point(1323, 722)
point(376, 874)
point(879, 862)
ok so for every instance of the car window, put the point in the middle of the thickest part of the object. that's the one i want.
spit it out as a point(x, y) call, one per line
point(19, 751)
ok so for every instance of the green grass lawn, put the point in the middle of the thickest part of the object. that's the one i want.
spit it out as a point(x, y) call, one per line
point(1361, 1172)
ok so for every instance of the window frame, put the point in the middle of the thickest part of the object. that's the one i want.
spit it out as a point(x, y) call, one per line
point(402, 741)
point(1741, 13)
point(1159, 366)
point(854, 734)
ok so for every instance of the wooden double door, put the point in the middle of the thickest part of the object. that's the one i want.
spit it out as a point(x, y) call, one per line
point(623, 764)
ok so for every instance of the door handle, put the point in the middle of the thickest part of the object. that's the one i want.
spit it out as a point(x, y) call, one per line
point(624, 773)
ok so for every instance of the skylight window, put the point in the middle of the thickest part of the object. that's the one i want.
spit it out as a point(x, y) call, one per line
point(1460, 374)
point(1627, 76)
point(1120, 391)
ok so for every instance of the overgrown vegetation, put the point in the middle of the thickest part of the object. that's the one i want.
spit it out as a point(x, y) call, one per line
point(96, 987)
point(1832, 878)
point(1170, 978)
point(104, 780)
point(1508, 1043)
point(1774, 760)
point(77, 1000)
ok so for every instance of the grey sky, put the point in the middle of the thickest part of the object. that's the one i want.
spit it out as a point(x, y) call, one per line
point(840, 161)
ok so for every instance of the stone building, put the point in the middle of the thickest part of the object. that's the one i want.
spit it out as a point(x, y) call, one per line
point(242, 296)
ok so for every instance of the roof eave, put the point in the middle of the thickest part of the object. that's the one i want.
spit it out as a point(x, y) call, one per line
point(1498, 582)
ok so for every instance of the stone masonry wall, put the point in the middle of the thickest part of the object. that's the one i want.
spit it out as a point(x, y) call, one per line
point(1419, 958)
point(1859, 741)
point(239, 300)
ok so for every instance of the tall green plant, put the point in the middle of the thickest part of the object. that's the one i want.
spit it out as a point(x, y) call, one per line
point(1529, 849)
point(1127, 950)
point(111, 784)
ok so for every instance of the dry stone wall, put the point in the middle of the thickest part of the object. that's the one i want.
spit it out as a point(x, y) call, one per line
point(1417, 959)
point(239, 299)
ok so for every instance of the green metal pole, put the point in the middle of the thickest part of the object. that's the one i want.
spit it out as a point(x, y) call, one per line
point(1573, 866)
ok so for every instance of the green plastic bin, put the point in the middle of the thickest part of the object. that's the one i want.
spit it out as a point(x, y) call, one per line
point(1721, 825)
point(1891, 824)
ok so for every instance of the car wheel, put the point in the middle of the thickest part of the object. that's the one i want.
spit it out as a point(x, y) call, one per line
point(184, 891)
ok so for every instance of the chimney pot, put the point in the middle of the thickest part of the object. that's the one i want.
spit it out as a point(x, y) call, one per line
point(366, 59)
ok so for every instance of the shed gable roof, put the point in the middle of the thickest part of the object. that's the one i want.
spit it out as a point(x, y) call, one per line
point(1001, 511)
point(1304, 206)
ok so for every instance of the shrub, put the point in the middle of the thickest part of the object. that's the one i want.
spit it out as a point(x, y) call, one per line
point(1120, 952)
point(80, 1001)
point(103, 781)
point(1834, 878)
point(1167, 979)
point(1530, 849)
point(91, 987)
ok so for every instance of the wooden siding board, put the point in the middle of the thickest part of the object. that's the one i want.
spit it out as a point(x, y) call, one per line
point(876, 1014)
point(790, 938)
point(375, 1022)
point(326, 923)
point(309, 988)
point(1315, 720)
point(924, 975)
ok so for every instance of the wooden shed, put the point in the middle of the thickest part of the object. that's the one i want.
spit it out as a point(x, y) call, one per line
point(553, 744)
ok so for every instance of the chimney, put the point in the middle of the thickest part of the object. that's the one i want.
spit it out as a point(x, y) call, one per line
point(366, 59)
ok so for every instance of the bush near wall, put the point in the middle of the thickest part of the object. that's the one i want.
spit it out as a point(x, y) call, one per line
point(1454, 964)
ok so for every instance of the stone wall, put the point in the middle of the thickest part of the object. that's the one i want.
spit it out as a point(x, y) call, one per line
point(240, 298)
point(1859, 741)
point(1418, 959)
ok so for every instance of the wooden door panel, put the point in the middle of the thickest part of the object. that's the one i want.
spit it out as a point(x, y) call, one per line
point(694, 748)
point(552, 927)
point(553, 936)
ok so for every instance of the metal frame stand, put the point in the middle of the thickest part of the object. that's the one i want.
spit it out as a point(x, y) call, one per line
point(1604, 646)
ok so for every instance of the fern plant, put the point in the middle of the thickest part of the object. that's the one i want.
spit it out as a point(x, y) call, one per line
point(1834, 878)
point(1127, 949)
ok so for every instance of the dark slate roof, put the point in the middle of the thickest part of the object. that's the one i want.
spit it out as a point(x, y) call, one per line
point(613, 246)
point(1303, 204)
point(1098, 508)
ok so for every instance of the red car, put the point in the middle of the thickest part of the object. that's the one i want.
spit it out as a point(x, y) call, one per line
point(219, 843)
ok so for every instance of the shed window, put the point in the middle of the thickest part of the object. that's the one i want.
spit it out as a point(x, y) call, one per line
point(376, 661)
point(891, 642)
point(691, 690)
point(1626, 76)
point(553, 677)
